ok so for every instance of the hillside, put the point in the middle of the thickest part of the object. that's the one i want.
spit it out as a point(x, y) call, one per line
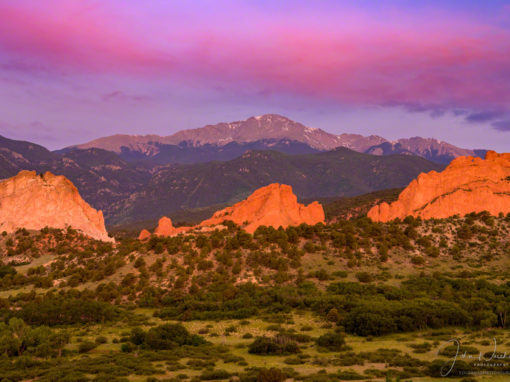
point(315, 303)
point(340, 172)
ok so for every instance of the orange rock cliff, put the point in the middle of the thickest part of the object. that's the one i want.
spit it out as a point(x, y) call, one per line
point(33, 201)
point(274, 205)
point(467, 185)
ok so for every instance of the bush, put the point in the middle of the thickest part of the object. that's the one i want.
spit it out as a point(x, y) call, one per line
point(126, 348)
point(331, 341)
point(364, 277)
point(168, 336)
point(6, 270)
point(417, 260)
point(273, 346)
point(211, 375)
point(86, 346)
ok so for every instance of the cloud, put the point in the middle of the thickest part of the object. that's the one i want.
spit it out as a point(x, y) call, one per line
point(119, 96)
point(503, 125)
point(484, 116)
point(383, 57)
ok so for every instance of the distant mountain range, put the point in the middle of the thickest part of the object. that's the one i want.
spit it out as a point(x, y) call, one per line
point(129, 191)
point(225, 141)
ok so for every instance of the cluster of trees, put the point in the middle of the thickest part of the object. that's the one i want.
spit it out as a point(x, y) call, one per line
point(164, 337)
point(360, 308)
point(54, 310)
point(17, 339)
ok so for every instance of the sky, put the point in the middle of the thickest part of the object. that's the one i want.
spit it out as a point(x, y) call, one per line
point(75, 70)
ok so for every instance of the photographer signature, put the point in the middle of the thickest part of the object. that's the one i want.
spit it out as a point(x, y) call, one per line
point(450, 363)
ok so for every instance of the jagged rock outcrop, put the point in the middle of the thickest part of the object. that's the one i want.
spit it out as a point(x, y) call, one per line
point(166, 228)
point(144, 234)
point(33, 201)
point(274, 205)
point(467, 185)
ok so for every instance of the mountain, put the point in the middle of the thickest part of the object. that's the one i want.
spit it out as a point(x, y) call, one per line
point(427, 148)
point(467, 185)
point(341, 172)
point(33, 202)
point(224, 141)
point(266, 127)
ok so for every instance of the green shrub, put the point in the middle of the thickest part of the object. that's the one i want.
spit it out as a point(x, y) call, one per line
point(331, 341)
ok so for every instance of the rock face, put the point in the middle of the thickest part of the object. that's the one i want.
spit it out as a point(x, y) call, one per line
point(166, 228)
point(144, 234)
point(467, 185)
point(274, 205)
point(33, 201)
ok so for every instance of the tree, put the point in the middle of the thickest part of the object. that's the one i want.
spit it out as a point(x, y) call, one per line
point(18, 331)
point(137, 336)
point(501, 311)
point(58, 341)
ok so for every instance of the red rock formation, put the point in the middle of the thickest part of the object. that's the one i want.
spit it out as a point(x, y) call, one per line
point(166, 228)
point(33, 201)
point(467, 185)
point(274, 205)
point(144, 234)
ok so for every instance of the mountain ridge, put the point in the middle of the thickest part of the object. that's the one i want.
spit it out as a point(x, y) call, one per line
point(275, 127)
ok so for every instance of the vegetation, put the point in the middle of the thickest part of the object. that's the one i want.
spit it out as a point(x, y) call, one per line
point(350, 300)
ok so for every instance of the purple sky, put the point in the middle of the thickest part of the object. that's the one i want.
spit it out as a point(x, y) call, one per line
point(75, 70)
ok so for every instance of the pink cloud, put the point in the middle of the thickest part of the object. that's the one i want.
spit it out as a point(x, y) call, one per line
point(70, 34)
point(433, 60)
